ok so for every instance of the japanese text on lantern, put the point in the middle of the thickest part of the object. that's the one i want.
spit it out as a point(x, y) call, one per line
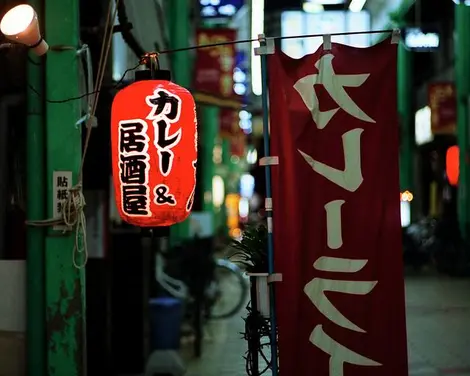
point(134, 165)
point(350, 179)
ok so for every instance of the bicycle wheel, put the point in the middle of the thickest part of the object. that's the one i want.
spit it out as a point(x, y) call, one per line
point(231, 290)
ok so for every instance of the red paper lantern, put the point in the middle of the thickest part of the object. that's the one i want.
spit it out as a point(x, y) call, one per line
point(154, 152)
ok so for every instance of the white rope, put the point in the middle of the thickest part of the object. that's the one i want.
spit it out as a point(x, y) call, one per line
point(73, 216)
point(72, 209)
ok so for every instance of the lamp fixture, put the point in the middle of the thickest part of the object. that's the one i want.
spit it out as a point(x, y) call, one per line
point(20, 24)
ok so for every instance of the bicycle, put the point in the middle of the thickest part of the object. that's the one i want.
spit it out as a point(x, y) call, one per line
point(203, 284)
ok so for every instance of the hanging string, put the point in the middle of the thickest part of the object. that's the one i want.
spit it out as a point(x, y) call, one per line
point(72, 209)
point(145, 59)
point(72, 213)
point(238, 41)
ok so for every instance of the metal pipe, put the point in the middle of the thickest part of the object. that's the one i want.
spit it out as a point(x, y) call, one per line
point(35, 210)
point(269, 214)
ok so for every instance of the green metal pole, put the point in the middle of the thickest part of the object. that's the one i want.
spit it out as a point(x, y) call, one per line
point(64, 282)
point(226, 155)
point(35, 193)
point(405, 112)
point(209, 132)
point(179, 34)
point(462, 80)
point(226, 162)
point(231, 183)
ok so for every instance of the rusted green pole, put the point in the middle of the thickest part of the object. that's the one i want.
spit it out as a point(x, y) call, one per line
point(64, 282)
point(35, 185)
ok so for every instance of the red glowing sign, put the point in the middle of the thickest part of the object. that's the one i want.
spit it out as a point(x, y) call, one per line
point(154, 152)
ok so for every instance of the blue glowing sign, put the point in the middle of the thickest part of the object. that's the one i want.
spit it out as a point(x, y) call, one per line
point(220, 8)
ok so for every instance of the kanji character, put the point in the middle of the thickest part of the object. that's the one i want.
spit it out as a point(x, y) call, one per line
point(134, 168)
point(333, 224)
point(317, 287)
point(334, 84)
point(164, 142)
point(351, 177)
point(163, 104)
point(338, 353)
point(132, 136)
point(62, 181)
point(135, 200)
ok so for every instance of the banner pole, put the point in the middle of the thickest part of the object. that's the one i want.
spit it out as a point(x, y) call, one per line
point(263, 52)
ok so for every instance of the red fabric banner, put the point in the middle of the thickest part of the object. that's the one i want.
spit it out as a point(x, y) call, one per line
point(215, 65)
point(337, 239)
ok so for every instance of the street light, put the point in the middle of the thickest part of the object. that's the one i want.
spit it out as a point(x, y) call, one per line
point(20, 24)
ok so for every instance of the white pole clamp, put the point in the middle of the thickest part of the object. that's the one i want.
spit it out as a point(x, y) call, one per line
point(269, 161)
point(327, 42)
point(396, 35)
point(266, 46)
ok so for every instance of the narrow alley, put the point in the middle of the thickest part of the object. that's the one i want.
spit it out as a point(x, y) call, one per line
point(438, 320)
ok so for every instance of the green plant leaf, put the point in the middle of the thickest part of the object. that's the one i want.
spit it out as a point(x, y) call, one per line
point(251, 251)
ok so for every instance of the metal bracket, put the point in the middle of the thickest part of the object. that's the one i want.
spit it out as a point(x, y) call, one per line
point(327, 42)
point(87, 119)
point(269, 161)
point(83, 49)
point(268, 204)
point(275, 277)
point(266, 46)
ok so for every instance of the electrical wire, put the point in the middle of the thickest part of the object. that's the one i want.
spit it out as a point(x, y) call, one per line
point(71, 99)
point(72, 210)
point(196, 47)
point(144, 59)
point(74, 216)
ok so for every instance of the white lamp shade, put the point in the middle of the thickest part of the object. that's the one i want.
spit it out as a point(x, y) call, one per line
point(20, 24)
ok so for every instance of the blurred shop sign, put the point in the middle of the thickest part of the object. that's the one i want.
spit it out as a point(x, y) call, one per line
point(215, 65)
point(327, 22)
point(443, 105)
point(219, 8)
point(423, 132)
point(228, 120)
point(421, 40)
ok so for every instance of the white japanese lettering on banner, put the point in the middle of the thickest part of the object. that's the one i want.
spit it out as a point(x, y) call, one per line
point(350, 179)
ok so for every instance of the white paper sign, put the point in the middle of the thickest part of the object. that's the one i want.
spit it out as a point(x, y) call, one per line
point(61, 183)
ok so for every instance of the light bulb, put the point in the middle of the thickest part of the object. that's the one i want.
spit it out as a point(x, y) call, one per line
point(20, 24)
